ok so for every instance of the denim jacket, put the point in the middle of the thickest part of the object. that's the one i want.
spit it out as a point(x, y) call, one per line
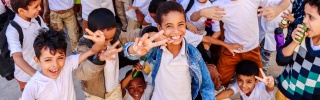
point(201, 80)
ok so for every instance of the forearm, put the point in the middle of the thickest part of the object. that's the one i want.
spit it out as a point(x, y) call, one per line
point(288, 50)
point(215, 41)
point(195, 16)
point(269, 88)
point(216, 35)
point(140, 17)
point(225, 94)
point(284, 4)
point(22, 64)
point(85, 55)
point(124, 83)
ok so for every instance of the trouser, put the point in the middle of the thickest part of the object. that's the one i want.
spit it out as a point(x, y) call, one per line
point(116, 94)
point(227, 63)
point(21, 85)
point(121, 8)
point(61, 19)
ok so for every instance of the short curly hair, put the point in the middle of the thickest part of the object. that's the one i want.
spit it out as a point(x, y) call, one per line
point(168, 7)
point(314, 3)
point(54, 40)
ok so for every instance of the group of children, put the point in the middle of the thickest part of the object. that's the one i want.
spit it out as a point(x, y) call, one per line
point(170, 49)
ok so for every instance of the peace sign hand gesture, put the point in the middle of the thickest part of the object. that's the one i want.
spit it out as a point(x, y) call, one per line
point(267, 80)
point(108, 54)
point(142, 45)
point(98, 39)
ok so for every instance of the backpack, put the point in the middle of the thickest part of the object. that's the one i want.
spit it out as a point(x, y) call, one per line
point(7, 62)
point(6, 16)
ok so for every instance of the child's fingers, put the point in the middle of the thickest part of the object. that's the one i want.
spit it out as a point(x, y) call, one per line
point(89, 32)
point(115, 44)
point(160, 33)
point(143, 38)
point(88, 37)
point(262, 73)
point(159, 43)
point(258, 78)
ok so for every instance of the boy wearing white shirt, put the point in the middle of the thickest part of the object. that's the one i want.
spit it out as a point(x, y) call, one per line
point(54, 80)
point(248, 84)
point(62, 15)
point(26, 11)
point(241, 26)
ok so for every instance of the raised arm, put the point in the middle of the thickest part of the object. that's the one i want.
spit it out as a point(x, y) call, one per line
point(214, 13)
point(225, 94)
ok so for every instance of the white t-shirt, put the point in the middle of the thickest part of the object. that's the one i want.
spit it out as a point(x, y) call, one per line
point(241, 22)
point(266, 29)
point(258, 93)
point(41, 87)
point(313, 46)
point(173, 81)
point(200, 24)
point(142, 5)
point(89, 5)
point(30, 32)
point(184, 3)
point(57, 5)
point(193, 39)
point(150, 20)
point(111, 73)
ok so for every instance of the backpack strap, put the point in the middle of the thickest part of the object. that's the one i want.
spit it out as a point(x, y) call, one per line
point(39, 20)
point(19, 29)
point(191, 2)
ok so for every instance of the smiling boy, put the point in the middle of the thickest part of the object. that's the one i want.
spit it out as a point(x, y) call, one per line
point(178, 71)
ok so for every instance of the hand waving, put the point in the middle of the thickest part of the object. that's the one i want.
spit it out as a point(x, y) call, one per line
point(267, 80)
point(142, 45)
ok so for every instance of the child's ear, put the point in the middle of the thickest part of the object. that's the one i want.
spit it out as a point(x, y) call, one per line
point(159, 27)
point(36, 60)
point(21, 10)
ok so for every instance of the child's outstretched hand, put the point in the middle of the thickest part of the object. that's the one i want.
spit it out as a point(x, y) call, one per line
point(232, 47)
point(98, 38)
point(267, 80)
point(142, 45)
point(108, 54)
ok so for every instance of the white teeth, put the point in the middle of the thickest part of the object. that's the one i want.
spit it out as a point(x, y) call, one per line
point(175, 37)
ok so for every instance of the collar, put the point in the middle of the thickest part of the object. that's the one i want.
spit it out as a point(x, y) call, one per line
point(182, 50)
point(23, 23)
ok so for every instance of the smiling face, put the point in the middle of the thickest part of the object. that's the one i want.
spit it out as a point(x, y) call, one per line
point(51, 63)
point(33, 10)
point(246, 83)
point(174, 26)
point(136, 88)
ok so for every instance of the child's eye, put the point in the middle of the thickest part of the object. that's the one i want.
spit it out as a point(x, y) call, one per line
point(181, 24)
point(47, 60)
point(169, 26)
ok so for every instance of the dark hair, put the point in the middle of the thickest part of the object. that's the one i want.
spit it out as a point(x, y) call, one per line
point(54, 40)
point(147, 30)
point(101, 19)
point(16, 4)
point(140, 75)
point(154, 5)
point(167, 7)
point(247, 68)
point(314, 3)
